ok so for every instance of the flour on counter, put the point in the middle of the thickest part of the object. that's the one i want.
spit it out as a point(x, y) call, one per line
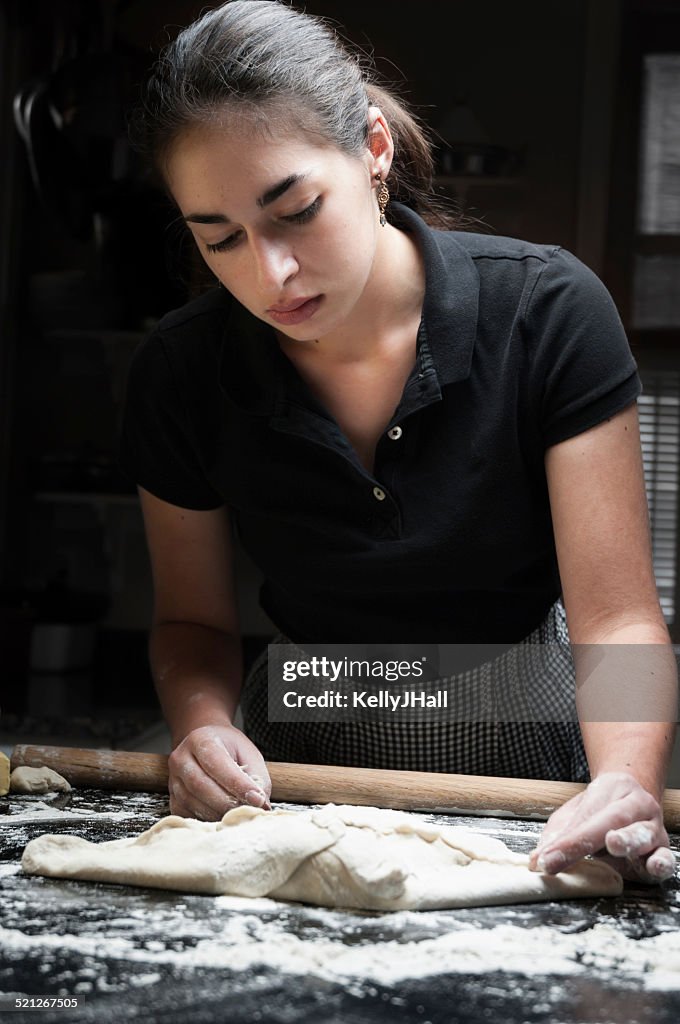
point(111, 806)
point(248, 941)
point(38, 809)
point(104, 938)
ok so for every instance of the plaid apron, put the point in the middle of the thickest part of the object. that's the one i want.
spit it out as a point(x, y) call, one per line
point(529, 728)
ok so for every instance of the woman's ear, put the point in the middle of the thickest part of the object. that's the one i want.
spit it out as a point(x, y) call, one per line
point(380, 143)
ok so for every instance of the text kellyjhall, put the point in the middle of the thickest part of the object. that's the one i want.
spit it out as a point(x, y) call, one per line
point(363, 699)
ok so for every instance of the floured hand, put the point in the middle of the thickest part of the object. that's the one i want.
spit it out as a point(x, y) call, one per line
point(614, 818)
point(213, 769)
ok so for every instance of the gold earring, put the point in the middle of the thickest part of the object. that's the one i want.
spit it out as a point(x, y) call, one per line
point(383, 198)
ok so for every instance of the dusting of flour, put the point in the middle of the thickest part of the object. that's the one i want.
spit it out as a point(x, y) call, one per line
point(57, 925)
point(333, 945)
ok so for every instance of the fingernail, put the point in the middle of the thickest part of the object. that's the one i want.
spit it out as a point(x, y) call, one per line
point(661, 873)
point(551, 863)
point(660, 868)
point(255, 798)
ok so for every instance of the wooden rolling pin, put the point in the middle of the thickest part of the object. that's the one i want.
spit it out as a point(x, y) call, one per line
point(318, 783)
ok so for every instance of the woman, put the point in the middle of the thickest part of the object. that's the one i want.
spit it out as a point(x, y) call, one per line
point(419, 433)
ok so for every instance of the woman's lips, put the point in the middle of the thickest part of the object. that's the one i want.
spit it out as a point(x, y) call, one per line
point(297, 314)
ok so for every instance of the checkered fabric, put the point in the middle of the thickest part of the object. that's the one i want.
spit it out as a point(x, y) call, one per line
point(514, 716)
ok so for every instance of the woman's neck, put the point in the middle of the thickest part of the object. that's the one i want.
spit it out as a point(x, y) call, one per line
point(389, 307)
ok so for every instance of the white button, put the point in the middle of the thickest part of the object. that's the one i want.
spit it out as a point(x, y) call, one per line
point(395, 433)
point(379, 493)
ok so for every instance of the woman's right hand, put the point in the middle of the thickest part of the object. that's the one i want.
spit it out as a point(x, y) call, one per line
point(213, 769)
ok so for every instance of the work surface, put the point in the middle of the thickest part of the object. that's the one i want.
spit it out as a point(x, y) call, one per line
point(148, 955)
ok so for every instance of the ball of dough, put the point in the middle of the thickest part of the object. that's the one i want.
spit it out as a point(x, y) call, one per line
point(4, 773)
point(37, 780)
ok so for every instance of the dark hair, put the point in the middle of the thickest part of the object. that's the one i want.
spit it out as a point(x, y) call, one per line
point(271, 64)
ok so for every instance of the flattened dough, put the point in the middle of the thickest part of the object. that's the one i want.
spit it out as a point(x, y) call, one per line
point(334, 856)
point(37, 780)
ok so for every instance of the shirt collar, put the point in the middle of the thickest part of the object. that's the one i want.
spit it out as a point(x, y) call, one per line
point(254, 373)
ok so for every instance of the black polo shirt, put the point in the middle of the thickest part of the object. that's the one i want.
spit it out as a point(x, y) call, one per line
point(450, 539)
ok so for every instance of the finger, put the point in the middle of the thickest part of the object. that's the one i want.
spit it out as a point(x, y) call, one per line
point(567, 817)
point(542, 849)
point(590, 837)
point(204, 791)
point(547, 840)
point(188, 805)
point(217, 763)
point(634, 840)
point(661, 864)
point(260, 781)
point(634, 869)
point(260, 777)
point(565, 849)
point(254, 765)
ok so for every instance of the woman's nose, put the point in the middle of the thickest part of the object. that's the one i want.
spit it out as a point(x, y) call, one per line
point(276, 264)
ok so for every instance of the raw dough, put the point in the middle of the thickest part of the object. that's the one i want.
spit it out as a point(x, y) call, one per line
point(37, 780)
point(4, 773)
point(334, 856)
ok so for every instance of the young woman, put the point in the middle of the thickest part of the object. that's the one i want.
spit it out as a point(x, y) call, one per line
point(419, 433)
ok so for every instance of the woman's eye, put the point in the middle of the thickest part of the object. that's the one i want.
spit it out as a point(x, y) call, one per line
point(304, 215)
point(294, 218)
point(226, 243)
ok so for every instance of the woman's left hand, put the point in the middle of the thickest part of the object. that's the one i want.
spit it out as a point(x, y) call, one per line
point(615, 818)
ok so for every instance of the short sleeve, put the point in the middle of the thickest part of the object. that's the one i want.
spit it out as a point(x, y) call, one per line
point(582, 370)
point(155, 444)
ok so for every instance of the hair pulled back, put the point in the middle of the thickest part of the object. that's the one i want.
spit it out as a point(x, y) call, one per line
point(272, 64)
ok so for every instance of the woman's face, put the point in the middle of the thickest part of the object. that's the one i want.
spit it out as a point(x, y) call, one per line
point(289, 227)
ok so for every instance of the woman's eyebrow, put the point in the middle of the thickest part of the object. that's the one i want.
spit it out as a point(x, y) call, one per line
point(273, 193)
point(265, 199)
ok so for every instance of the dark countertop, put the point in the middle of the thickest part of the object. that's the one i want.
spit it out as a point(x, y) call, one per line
point(151, 955)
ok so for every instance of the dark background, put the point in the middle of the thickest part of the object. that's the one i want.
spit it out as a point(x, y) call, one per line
point(541, 103)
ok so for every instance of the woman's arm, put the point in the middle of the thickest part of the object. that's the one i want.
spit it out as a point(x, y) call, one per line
point(196, 660)
point(599, 511)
